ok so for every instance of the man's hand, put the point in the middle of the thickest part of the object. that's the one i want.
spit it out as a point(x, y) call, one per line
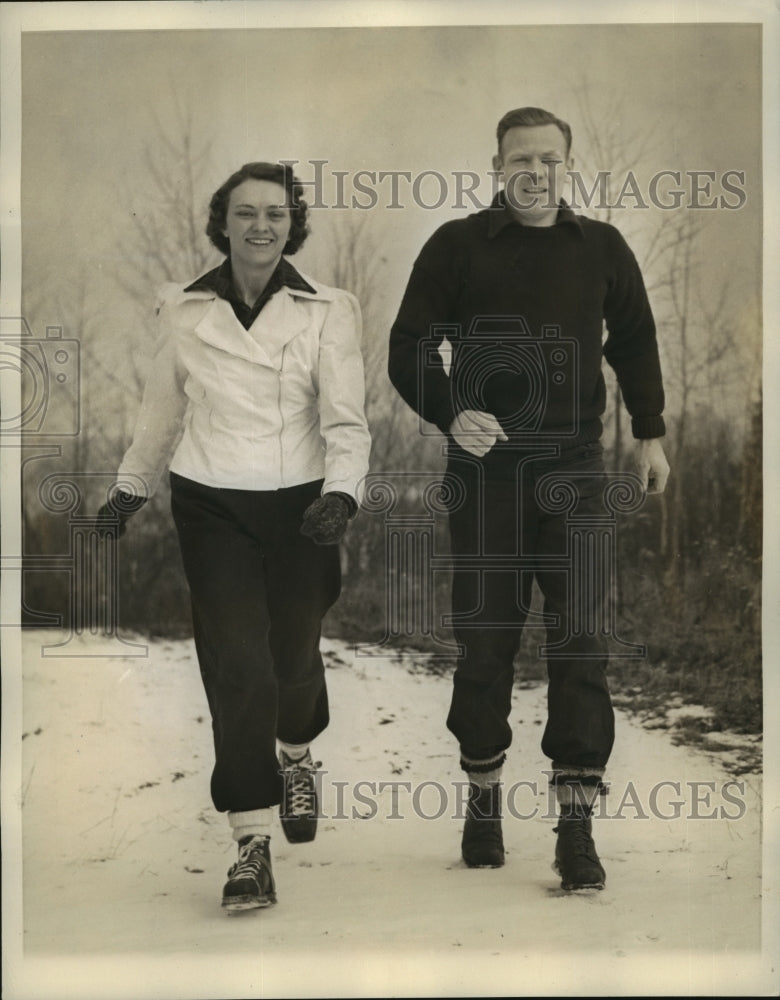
point(476, 432)
point(651, 465)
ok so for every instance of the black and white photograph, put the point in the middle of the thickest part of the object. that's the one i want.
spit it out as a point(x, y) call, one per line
point(387, 448)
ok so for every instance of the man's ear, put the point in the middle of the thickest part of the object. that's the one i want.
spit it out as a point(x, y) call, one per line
point(498, 166)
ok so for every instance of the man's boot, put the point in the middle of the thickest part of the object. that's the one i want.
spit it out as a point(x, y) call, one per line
point(576, 860)
point(483, 843)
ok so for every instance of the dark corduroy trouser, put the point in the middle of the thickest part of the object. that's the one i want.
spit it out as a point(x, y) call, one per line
point(517, 538)
point(259, 591)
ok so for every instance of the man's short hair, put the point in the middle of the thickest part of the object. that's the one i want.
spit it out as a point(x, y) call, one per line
point(525, 117)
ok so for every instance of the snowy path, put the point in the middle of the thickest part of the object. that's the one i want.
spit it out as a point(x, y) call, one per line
point(124, 858)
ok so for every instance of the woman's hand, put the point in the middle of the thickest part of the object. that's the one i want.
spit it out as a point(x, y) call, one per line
point(113, 516)
point(325, 520)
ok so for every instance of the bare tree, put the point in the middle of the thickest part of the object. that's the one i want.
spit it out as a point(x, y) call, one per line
point(708, 338)
point(355, 263)
point(611, 149)
point(168, 216)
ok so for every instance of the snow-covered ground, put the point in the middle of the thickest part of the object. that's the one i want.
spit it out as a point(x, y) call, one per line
point(124, 858)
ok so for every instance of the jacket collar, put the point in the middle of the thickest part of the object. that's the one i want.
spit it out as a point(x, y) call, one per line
point(499, 217)
point(278, 322)
point(220, 281)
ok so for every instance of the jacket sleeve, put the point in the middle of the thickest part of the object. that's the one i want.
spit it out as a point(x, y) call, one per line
point(160, 421)
point(631, 347)
point(341, 387)
point(415, 366)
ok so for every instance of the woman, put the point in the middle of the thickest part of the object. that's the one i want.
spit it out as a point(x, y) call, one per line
point(257, 389)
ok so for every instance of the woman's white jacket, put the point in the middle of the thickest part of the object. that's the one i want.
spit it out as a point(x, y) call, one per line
point(274, 406)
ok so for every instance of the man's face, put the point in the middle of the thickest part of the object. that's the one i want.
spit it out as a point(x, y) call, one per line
point(532, 163)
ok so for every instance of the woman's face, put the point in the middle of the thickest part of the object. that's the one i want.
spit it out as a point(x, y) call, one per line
point(257, 223)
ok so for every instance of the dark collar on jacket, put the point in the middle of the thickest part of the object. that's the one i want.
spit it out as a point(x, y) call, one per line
point(499, 216)
point(220, 281)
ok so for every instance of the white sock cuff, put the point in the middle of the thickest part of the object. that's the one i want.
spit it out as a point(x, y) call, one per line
point(253, 822)
point(485, 771)
point(578, 786)
point(483, 779)
point(295, 751)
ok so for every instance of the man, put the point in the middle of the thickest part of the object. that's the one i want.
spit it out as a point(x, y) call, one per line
point(521, 290)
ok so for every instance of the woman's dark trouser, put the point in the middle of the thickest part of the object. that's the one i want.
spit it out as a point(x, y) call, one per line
point(259, 591)
point(502, 519)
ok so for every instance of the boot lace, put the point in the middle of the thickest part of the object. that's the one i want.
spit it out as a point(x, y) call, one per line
point(579, 841)
point(251, 860)
point(300, 793)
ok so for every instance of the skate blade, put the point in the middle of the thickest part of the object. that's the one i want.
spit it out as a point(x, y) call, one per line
point(240, 904)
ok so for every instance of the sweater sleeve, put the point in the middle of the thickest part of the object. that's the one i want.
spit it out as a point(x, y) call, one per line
point(160, 420)
point(415, 366)
point(631, 348)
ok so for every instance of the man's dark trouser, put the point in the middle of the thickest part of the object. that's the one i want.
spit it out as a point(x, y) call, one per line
point(259, 591)
point(505, 518)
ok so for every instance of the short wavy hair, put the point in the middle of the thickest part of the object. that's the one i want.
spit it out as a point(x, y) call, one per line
point(279, 173)
point(526, 117)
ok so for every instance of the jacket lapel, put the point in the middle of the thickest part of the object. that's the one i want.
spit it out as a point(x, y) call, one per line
point(278, 323)
point(219, 328)
point(281, 320)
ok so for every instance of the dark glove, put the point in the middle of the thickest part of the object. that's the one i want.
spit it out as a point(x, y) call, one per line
point(325, 520)
point(115, 514)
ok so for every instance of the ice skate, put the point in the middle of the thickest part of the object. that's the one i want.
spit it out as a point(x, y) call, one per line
point(250, 883)
point(300, 807)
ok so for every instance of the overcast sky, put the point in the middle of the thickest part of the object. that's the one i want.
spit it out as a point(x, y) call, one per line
point(368, 98)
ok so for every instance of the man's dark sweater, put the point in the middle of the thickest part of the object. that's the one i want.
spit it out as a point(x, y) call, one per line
point(524, 309)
